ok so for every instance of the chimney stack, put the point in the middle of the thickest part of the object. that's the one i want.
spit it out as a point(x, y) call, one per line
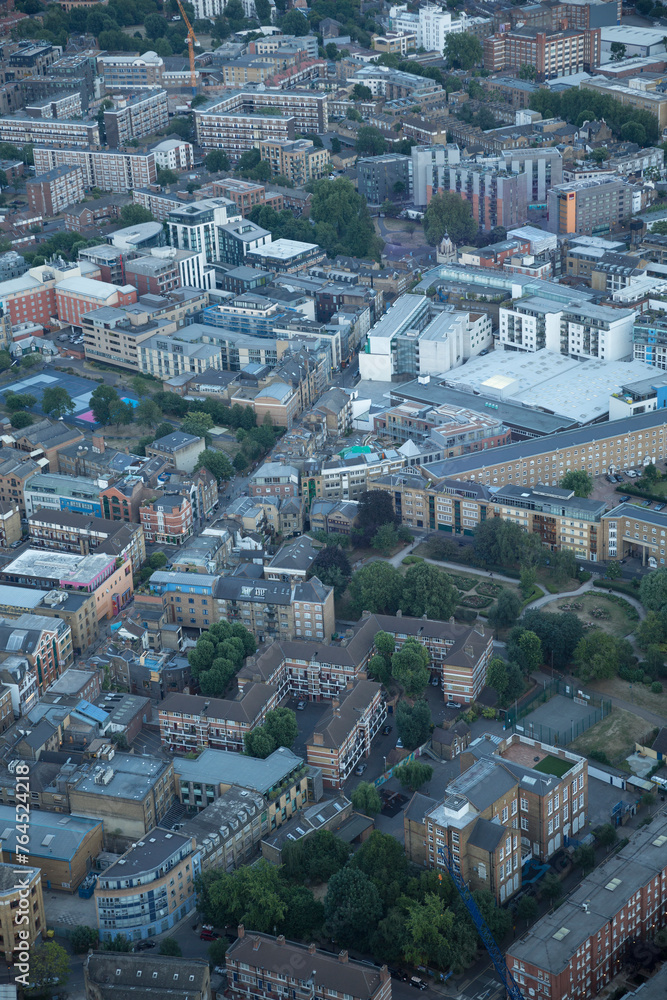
point(240, 931)
point(280, 939)
point(342, 956)
point(255, 944)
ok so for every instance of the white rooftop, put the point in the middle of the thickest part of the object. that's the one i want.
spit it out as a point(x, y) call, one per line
point(553, 382)
point(284, 249)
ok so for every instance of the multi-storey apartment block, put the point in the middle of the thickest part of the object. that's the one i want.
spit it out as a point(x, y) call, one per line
point(274, 962)
point(133, 117)
point(167, 520)
point(344, 736)
point(237, 120)
point(515, 799)
point(21, 129)
point(107, 169)
point(577, 949)
point(52, 192)
point(460, 655)
point(300, 161)
point(553, 53)
point(131, 72)
point(45, 643)
point(150, 888)
point(592, 206)
point(191, 722)
point(581, 329)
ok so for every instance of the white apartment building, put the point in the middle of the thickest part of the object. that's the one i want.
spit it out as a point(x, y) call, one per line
point(416, 338)
point(195, 225)
point(434, 26)
point(581, 330)
point(174, 154)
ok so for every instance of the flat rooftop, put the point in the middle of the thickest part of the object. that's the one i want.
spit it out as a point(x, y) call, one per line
point(133, 776)
point(145, 855)
point(225, 767)
point(53, 565)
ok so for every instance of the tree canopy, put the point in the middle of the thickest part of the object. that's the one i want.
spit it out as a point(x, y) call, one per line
point(218, 655)
point(579, 481)
point(449, 213)
point(376, 587)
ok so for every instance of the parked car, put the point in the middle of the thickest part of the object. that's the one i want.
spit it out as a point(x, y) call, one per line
point(209, 935)
point(659, 506)
point(646, 503)
point(360, 768)
point(418, 983)
point(144, 945)
point(300, 705)
point(399, 743)
point(453, 704)
point(435, 681)
point(386, 730)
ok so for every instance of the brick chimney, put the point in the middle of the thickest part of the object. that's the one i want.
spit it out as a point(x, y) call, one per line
point(342, 956)
point(312, 948)
point(335, 707)
point(240, 931)
point(280, 939)
point(98, 443)
point(256, 943)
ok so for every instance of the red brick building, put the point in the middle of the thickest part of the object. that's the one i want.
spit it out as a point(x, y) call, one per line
point(167, 520)
point(153, 274)
point(52, 192)
point(77, 296)
point(553, 53)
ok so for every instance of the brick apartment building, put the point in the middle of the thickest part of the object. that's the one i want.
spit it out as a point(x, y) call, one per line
point(189, 722)
point(274, 479)
point(15, 470)
point(52, 192)
point(246, 194)
point(153, 275)
point(515, 798)
point(258, 962)
point(553, 53)
point(344, 735)
point(576, 950)
point(167, 520)
point(107, 169)
point(68, 531)
point(134, 117)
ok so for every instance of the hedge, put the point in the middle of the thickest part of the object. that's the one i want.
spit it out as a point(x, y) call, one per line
point(618, 585)
point(638, 491)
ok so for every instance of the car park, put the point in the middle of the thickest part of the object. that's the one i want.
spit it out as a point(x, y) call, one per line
point(360, 768)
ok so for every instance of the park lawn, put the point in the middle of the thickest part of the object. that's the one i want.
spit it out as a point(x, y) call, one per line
point(640, 695)
point(614, 736)
point(618, 624)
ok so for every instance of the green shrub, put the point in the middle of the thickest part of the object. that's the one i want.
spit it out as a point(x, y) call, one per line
point(411, 560)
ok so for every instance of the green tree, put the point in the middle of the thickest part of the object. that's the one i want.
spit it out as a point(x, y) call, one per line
point(294, 23)
point(134, 215)
point(170, 946)
point(121, 414)
point(342, 220)
point(496, 677)
point(49, 967)
point(370, 141)
point(332, 567)
point(315, 858)
point(197, 423)
point(607, 836)
point(596, 656)
point(617, 51)
point(19, 401)
point(413, 723)
point(335, 145)
point(451, 214)
point(57, 402)
point(527, 581)
point(529, 651)
point(117, 943)
point(251, 895)
point(240, 462)
point(558, 633)
point(551, 887)
point(148, 413)
point(366, 799)
point(5, 360)
point(376, 587)
point(217, 161)
point(527, 72)
point(428, 927)
point(462, 51)
point(653, 590)
point(21, 419)
point(526, 909)
point(259, 743)
point(101, 401)
point(414, 774)
point(650, 631)
point(140, 386)
point(385, 538)
point(579, 481)
point(376, 508)
point(361, 92)
point(352, 907)
point(409, 667)
point(506, 610)
point(166, 176)
point(217, 464)
point(428, 591)
point(217, 951)
point(82, 938)
point(385, 644)
point(584, 858)
point(280, 723)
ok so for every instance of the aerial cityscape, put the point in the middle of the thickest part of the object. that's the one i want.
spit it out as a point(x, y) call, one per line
point(333, 499)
